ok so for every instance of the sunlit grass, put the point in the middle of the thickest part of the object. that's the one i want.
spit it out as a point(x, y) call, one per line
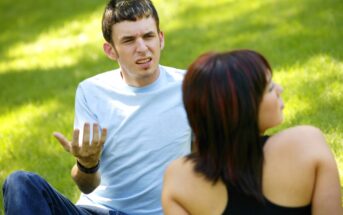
point(46, 52)
point(313, 93)
point(17, 125)
point(27, 143)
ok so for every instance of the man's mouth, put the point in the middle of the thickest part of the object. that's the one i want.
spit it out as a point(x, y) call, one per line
point(144, 61)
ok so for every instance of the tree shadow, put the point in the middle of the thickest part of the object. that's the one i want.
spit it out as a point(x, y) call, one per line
point(286, 35)
point(20, 88)
point(294, 33)
point(24, 21)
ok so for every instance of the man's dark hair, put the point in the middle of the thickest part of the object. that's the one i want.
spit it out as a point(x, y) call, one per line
point(126, 10)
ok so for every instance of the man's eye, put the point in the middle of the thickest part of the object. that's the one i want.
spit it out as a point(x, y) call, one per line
point(149, 36)
point(127, 41)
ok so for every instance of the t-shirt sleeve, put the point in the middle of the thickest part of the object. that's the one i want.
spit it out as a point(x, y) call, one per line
point(83, 112)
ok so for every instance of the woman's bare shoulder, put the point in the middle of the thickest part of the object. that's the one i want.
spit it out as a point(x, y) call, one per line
point(303, 139)
point(179, 174)
point(192, 190)
point(302, 134)
point(181, 171)
point(180, 167)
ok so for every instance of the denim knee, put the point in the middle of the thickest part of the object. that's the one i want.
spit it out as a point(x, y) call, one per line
point(28, 193)
point(18, 179)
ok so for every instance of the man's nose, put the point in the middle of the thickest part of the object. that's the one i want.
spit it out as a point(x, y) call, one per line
point(141, 45)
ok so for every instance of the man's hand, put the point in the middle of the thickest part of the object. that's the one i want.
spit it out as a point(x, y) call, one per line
point(88, 153)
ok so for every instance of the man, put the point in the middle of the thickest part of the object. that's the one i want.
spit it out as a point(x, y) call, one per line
point(131, 123)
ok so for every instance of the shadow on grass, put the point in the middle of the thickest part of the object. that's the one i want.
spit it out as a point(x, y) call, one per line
point(24, 21)
point(285, 34)
point(293, 33)
point(20, 88)
point(30, 145)
point(319, 33)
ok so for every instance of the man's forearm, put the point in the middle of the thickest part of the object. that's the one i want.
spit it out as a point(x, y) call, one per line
point(85, 181)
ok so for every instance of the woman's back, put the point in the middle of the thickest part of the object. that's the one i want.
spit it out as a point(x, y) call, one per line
point(299, 171)
point(231, 100)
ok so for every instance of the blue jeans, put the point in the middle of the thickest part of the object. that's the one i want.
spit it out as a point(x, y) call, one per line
point(27, 193)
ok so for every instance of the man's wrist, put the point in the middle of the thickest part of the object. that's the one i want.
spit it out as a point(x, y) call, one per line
point(88, 170)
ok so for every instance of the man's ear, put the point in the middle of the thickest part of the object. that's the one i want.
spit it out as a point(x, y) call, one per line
point(110, 51)
point(161, 35)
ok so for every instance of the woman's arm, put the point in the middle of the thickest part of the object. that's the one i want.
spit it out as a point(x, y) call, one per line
point(327, 195)
point(170, 203)
point(186, 192)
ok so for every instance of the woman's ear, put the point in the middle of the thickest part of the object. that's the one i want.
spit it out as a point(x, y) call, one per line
point(110, 51)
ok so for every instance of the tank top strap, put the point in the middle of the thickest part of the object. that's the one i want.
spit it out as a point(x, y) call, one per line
point(263, 139)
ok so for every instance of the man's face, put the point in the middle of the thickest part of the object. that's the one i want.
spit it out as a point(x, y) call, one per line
point(138, 45)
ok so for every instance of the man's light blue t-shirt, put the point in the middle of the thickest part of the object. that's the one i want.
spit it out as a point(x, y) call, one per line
point(147, 128)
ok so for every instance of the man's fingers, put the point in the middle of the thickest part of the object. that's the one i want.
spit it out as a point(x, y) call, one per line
point(86, 135)
point(103, 136)
point(75, 142)
point(63, 141)
point(95, 139)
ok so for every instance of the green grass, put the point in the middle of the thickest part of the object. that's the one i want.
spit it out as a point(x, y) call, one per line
point(46, 48)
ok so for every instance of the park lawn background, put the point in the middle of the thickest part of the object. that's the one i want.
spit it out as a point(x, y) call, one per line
point(48, 47)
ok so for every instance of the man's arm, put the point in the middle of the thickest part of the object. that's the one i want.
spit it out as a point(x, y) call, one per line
point(85, 181)
point(87, 153)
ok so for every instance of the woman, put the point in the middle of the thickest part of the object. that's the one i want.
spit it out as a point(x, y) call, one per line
point(231, 101)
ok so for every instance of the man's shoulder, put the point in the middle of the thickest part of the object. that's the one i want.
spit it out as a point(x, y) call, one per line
point(173, 72)
point(101, 78)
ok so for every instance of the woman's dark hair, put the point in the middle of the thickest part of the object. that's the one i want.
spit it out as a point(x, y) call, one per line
point(126, 10)
point(221, 95)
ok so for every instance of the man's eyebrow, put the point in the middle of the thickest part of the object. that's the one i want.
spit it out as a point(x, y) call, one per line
point(132, 37)
point(150, 33)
